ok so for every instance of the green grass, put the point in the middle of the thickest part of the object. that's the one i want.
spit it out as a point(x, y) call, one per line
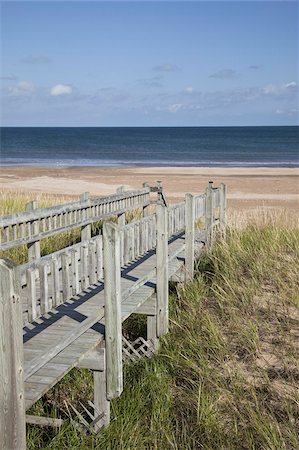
point(226, 376)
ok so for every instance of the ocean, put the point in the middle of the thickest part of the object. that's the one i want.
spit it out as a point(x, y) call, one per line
point(151, 146)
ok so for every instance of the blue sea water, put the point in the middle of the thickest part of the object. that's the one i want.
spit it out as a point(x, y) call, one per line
point(180, 146)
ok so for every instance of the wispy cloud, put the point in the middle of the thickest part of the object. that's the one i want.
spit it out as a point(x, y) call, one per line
point(22, 89)
point(61, 89)
point(39, 59)
point(9, 78)
point(287, 112)
point(166, 68)
point(152, 82)
point(281, 89)
point(226, 74)
point(255, 66)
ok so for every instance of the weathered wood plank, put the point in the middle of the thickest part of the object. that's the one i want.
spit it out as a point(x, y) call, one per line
point(162, 270)
point(209, 214)
point(222, 212)
point(189, 235)
point(65, 275)
point(33, 247)
point(32, 299)
point(113, 328)
point(44, 421)
point(12, 417)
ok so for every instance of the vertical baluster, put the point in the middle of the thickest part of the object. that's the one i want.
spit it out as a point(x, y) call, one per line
point(32, 300)
point(99, 245)
point(14, 233)
point(84, 263)
point(75, 272)
point(6, 234)
point(56, 282)
point(65, 276)
point(92, 263)
point(44, 289)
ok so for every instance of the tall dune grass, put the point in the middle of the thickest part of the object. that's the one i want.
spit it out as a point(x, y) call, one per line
point(227, 374)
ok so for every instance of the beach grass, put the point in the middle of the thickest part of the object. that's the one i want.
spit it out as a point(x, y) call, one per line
point(226, 376)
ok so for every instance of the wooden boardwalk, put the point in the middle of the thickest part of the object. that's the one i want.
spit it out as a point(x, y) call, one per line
point(71, 304)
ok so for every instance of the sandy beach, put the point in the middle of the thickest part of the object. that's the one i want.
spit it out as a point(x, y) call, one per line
point(247, 187)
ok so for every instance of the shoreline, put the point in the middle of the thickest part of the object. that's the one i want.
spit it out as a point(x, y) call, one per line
point(248, 187)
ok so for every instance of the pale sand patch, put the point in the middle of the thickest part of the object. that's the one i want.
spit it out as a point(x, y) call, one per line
point(247, 188)
point(63, 186)
point(220, 171)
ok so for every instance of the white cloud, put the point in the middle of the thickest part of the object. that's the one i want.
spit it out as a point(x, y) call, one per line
point(61, 89)
point(290, 85)
point(23, 88)
point(287, 112)
point(189, 89)
point(277, 89)
point(175, 107)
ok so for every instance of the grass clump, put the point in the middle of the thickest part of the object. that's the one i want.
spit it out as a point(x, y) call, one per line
point(226, 376)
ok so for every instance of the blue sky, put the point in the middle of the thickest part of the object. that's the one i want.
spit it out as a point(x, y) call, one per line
point(143, 63)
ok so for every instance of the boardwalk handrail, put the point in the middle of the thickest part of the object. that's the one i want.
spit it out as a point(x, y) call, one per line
point(39, 223)
point(163, 244)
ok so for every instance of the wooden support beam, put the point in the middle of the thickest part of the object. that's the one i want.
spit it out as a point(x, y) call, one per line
point(162, 270)
point(222, 213)
point(12, 401)
point(149, 307)
point(189, 236)
point(44, 421)
point(113, 323)
point(86, 229)
point(209, 214)
point(93, 360)
point(101, 404)
point(33, 247)
point(152, 331)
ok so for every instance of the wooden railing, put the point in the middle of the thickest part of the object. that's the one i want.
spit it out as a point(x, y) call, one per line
point(31, 290)
point(35, 224)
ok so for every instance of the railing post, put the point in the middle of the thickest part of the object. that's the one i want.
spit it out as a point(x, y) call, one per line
point(146, 209)
point(86, 229)
point(33, 247)
point(12, 416)
point(160, 190)
point(222, 213)
point(113, 321)
point(189, 235)
point(162, 270)
point(209, 214)
point(161, 196)
point(121, 218)
point(101, 404)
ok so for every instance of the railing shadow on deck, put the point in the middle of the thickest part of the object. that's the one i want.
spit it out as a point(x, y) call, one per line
point(37, 295)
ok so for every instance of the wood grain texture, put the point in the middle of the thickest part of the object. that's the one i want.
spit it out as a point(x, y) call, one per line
point(162, 270)
point(12, 417)
point(113, 327)
point(189, 236)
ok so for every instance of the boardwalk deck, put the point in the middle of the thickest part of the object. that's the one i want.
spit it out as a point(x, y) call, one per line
point(72, 303)
point(66, 317)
